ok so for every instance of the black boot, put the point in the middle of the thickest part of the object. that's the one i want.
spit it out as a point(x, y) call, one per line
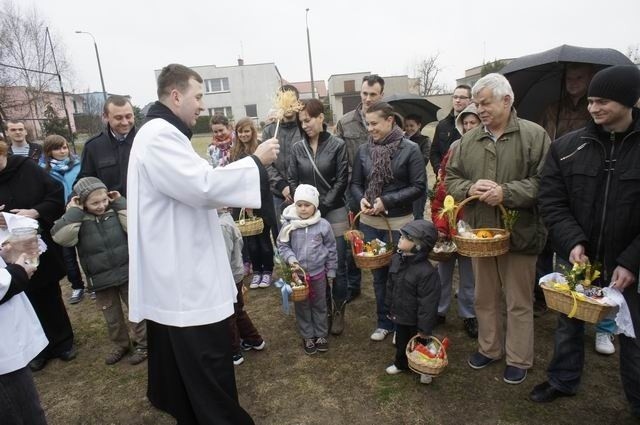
point(338, 318)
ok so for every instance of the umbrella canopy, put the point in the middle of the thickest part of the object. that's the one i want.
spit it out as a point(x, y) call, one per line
point(538, 79)
point(407, 104)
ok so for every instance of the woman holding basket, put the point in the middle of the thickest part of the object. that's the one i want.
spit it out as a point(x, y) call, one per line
point(388, 175)
point(320, 160)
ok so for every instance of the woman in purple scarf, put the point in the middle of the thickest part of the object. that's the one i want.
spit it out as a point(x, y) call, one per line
point(388, 175)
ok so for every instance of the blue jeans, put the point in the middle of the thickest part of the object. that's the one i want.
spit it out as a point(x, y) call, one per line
point(340, 286)
point(565, 370)
point(380, 275)
point(466, 288)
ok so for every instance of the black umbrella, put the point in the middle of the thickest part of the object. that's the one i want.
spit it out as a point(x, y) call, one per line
point(538, 79)
point(407, 104)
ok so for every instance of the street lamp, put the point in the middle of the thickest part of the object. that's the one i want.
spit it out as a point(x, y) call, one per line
point(313, 85)
point(104, 91)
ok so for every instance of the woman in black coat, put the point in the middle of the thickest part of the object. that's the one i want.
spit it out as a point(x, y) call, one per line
point(26, 189)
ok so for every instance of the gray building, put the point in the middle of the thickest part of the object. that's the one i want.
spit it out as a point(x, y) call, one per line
point(239, 91)
point(344, 90)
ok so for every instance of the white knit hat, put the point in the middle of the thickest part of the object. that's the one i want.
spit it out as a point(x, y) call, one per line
point(308, 193)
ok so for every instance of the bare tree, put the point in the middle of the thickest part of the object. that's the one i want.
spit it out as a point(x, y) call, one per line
point(26, 60)
point(633, 53)
point(426, 73)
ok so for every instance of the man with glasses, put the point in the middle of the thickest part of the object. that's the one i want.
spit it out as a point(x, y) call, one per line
point(446, 132)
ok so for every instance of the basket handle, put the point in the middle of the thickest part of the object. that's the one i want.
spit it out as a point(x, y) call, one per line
point(473, 198)
point(386, 220)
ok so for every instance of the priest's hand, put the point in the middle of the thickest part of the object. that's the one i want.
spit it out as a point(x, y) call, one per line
point(621, 278)
point(267, 151)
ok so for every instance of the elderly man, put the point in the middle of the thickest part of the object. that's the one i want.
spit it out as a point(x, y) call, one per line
point(106, 155)
point(180, 280)
point(589, 198)
point(352, 128)
point(18, 145)
point(500, 162)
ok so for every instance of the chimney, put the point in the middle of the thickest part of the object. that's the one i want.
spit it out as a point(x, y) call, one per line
point(240, 62)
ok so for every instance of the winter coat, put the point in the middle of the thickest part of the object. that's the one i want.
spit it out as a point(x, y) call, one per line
point(331, 160)
point(24, 185)
point(352, 129)
point(107, 159)
point(20, 330)
point(445, 134)
point(413, 291)
point(424, 143)
point(101, 242)
point(571, 117)
point(179, 273)
point(514, 161)
point(585, 200)
point(288, 134)
point(35, 151)
point(409, 178)
point(67, 178)
point(313, 247)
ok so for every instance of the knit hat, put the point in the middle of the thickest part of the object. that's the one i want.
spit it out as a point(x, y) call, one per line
point(618, 83)
point(422, 232)
point(86, 185)
point(306, 192)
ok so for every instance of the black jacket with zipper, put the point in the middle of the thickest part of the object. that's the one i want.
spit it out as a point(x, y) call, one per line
point(331, 160)
point(409, 178)
point(590, 194)
point(445, 134)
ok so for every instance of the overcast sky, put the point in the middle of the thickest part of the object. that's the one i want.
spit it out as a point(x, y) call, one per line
point(135, 37)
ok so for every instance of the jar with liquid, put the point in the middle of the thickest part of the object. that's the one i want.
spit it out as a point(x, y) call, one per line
point(24, 240)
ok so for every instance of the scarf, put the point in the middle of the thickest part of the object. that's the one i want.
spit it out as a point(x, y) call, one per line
point(381, 153)
point(295, 222)
point(60, 166)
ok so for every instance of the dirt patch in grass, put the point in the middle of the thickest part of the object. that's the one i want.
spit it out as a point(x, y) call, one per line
point(347, 385)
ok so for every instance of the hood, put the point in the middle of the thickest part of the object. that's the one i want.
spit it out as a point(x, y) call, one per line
point(471, 109)
point(423, 233)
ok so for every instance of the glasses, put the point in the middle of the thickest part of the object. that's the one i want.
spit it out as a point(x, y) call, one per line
point(459, 97)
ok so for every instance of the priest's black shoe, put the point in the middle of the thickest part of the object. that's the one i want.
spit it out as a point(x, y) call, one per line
point(37, 364)
point(545, 393)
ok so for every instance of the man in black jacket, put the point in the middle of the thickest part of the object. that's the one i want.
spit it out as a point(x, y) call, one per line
point(446, 132)
point(106, 155)
point(590, 201)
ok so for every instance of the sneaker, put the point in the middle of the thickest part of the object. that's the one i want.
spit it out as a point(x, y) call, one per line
point(138, 356)
point(604, 343)
point(265, 281)
point(425, 379)
point(471, 326)
point(379, 334)
point(76, 296)
point(514, 375)
point(115, 355)
point(92, 295)
point(247, 345)
point(309, 346)
point(238, 359)
point(255, 281)
point(322, 344)
point(70, 354)
point(479, 361)
point(393, 370)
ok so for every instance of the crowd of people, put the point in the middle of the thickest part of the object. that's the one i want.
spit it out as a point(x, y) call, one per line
point(573, 181)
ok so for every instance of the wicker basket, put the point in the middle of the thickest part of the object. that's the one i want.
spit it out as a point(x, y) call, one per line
point(428, 366)
point(249, 225)
point(587, 310)
point(300, 293)
point(491, 247)
point(376, 261)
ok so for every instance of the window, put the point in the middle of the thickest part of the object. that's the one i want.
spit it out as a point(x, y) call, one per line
point(224, 110)
point(349, 86)
point(216, 85)
point(251, 110)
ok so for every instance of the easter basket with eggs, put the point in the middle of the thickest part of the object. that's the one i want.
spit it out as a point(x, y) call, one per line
point(369, 255)
point(483, 242)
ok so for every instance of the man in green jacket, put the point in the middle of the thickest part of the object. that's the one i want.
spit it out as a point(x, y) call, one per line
point(500, 162)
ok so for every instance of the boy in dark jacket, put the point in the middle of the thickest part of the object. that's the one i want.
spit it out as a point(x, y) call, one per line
point(96, 222)
point(413, 290)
